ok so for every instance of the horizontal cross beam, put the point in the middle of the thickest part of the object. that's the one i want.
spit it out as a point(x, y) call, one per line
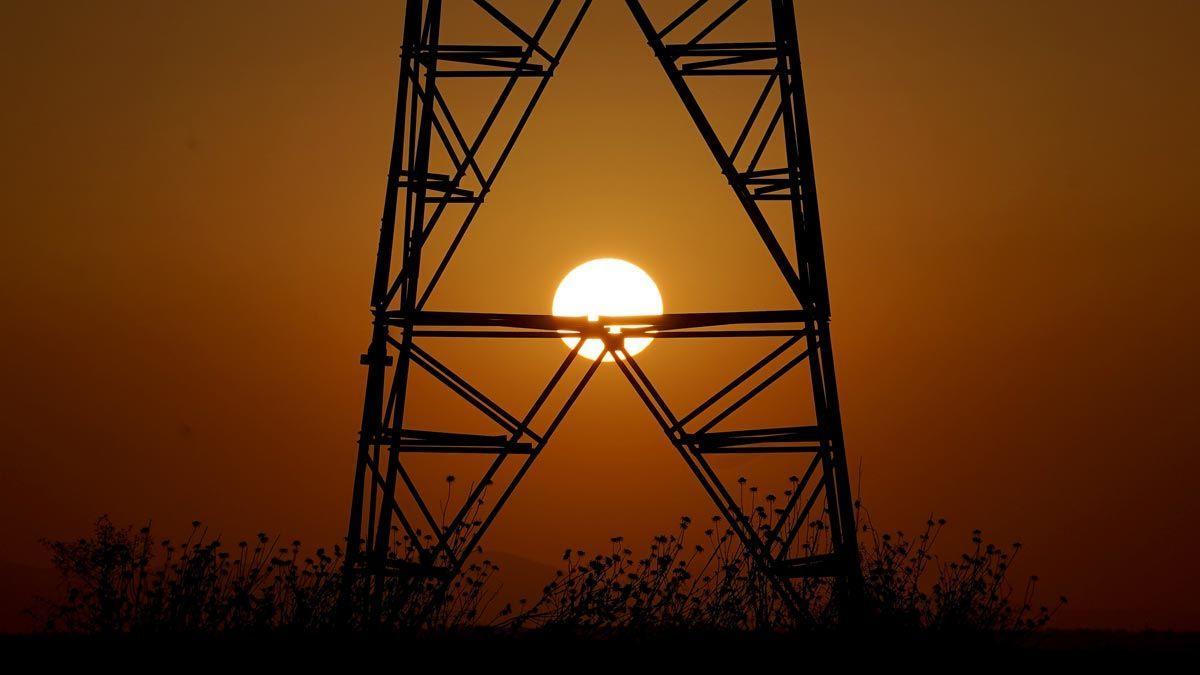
point(825, 565)
point(587, 327)
point(727, 439)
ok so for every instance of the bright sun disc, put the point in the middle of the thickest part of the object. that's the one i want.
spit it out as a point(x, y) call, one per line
point(607, 287)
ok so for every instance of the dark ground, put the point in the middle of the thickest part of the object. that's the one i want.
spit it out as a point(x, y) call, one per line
point(572, 653)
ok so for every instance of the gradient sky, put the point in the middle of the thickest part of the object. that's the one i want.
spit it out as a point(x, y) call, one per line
point(191, 195)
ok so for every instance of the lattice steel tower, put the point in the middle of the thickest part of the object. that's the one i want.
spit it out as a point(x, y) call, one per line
point(439, 176)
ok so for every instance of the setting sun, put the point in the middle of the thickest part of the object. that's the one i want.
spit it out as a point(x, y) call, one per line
point(607, 287)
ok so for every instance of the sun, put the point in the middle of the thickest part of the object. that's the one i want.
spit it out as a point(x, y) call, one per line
point(607, 287)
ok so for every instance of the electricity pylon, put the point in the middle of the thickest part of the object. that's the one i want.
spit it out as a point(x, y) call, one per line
point(439, 178)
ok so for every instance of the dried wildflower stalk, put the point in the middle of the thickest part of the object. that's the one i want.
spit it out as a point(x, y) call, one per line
point(120, 580)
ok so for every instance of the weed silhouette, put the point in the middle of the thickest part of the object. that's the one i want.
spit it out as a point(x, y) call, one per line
point(124, 581)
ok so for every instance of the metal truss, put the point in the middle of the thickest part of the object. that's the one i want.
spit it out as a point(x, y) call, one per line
point(438, 171)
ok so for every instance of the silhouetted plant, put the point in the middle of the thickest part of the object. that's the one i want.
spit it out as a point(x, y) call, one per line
point(910, 587)
point(714, 584)
point(121, 580)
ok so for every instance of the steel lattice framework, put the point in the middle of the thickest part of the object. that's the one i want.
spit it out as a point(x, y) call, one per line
point(438, 178)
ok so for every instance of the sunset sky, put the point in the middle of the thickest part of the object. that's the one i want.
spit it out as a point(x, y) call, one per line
point(191, 196)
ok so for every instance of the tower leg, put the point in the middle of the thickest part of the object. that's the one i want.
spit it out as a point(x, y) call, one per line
point(364, 548)
point(686, 48)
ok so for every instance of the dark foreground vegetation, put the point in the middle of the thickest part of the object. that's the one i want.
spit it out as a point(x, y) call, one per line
point(695, 584)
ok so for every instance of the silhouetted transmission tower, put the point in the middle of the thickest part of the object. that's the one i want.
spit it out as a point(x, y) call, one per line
point(440, 176)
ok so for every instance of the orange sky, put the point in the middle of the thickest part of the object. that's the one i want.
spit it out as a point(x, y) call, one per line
point(191, 197)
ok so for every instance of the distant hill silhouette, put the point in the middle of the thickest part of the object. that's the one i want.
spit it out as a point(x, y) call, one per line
point(20, 586)
point(518, 578)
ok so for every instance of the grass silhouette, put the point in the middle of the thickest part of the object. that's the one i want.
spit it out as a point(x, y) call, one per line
point(123, 581)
